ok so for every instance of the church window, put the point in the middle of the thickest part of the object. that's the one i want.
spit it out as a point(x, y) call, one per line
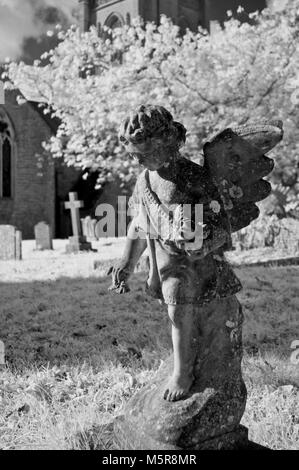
point(114, 21)
point(6, 168)
point(6, 158)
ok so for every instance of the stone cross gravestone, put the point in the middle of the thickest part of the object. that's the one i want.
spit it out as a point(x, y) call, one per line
point(78, 241)
point(10, 243)
point(43, 236)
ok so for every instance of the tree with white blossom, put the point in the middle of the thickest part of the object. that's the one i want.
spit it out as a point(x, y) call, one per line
point(238, 74)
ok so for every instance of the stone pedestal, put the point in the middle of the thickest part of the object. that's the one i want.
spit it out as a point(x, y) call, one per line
point(78, 243)
point(209, 417)
point(128, 439)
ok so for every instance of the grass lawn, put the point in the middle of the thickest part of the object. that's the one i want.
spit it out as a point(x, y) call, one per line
point(76, 353)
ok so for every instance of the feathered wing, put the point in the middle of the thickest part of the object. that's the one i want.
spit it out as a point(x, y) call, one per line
point(236, 162)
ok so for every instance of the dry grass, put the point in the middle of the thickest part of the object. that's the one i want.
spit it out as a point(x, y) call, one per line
point(75, 353)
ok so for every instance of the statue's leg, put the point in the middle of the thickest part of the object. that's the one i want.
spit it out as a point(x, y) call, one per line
point(184, 340)
point(208, 417)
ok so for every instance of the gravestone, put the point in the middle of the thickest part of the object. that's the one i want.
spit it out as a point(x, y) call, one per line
point(10, 243)
point(18, 239)
point(84, 224)
point(43, 236)
point(92, 230)
point(78, 241)
point(89, 228)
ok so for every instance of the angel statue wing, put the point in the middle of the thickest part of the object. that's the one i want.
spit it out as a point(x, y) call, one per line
point(237, 164)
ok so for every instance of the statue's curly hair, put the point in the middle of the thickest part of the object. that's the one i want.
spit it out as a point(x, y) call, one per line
point(149, 122)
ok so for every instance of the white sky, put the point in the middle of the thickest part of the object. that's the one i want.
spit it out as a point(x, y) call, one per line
point(17, 22)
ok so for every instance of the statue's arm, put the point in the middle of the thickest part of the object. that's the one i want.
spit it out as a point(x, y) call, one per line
point(134, 247)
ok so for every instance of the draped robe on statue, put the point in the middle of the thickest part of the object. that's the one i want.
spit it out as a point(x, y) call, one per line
point(180, 275)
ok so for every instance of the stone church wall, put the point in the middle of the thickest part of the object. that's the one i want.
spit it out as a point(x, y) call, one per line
point(33, 188)
point(216, 10)
point(186, 13)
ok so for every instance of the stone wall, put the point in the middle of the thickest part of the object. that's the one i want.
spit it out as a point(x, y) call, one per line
point(189, 10)
point(186, 13)
point(215, 10)
point(191, 14)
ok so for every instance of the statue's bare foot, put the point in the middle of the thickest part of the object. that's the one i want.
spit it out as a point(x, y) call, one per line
point(177, 387)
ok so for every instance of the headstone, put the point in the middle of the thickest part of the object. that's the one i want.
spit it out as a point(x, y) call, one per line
point(84, 223)
point(18, 245)
point(89, 228)
point(43, 236)
point(92, 230)
point(10, 243)
point(78, 241)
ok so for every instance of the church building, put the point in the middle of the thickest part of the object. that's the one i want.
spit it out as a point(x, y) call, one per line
point(185, 13)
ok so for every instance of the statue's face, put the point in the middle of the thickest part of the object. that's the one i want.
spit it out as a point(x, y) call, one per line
point(152, 161)
point(152, 155)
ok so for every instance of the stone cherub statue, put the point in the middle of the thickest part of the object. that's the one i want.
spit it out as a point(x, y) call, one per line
point(189, 273)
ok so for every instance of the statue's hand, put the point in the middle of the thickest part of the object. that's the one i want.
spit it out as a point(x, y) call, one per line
point(120, 273)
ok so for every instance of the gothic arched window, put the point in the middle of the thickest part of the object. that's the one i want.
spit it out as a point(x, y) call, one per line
point(6, 157)
point(114, 21)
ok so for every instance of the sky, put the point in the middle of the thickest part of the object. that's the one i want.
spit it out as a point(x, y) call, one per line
point(29, 20)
